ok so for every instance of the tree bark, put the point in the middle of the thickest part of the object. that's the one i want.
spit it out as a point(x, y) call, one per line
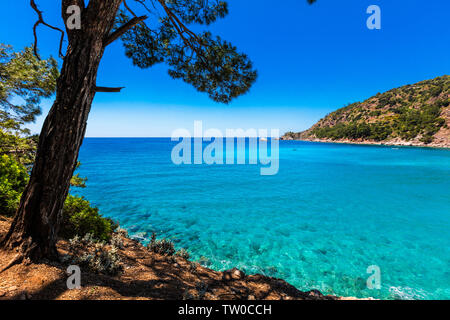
point(34, 230)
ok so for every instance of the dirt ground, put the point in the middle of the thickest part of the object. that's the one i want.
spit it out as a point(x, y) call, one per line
point(146, 276)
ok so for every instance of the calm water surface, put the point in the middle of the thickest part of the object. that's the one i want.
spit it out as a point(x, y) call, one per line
point(330, 213)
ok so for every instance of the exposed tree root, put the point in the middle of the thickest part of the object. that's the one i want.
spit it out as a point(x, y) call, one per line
point(16, 260)
point(27, 250)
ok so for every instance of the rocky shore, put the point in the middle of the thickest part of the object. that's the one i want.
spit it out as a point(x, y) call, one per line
point(145, 276)
point(394, 142)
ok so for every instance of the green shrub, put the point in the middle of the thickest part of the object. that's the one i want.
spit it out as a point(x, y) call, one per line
point(95, 256)
point(163, 246)
point(354, 130)
point(13, 180)
point(183, 253)
point(79, 218)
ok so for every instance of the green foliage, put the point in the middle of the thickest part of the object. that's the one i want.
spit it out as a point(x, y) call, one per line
point(24, 81)
point(22, 148)
point(409, 112)
point(23, 76)
point(162, 246)
point(166, 247)
point(77, 181)
point(290, 134)
point(355, 131)
point(80, 218)
point(219, 70)
point(197, 11)
point(98, 257)
point(426, 121)
point(207, 62)
point(183, 253)
point(13, 180)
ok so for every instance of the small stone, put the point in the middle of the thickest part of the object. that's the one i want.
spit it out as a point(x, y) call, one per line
point(237, 274)
point(251, 297)
point(315, 293)
point(226, 276)
point(13, 288)
point(233, 274)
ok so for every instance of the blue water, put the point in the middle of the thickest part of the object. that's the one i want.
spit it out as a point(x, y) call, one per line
point(330, 213)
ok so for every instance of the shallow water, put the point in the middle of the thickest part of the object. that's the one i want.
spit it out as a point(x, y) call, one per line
point(331, 212)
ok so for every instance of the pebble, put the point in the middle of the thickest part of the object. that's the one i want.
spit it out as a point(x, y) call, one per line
point(233, 274)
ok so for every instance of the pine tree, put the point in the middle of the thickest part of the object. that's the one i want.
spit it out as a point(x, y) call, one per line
point(160, 34)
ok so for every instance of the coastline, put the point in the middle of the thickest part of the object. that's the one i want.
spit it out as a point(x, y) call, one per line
point(376, 143)
point(146, 276)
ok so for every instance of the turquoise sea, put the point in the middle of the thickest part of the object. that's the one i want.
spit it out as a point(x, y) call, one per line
point(331, 212)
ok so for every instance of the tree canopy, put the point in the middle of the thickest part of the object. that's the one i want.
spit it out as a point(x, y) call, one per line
point(209, 63)
point(24, 81)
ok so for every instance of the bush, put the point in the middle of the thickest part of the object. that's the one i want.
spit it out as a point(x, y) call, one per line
point(79, 218)
point(163, 246)
point(116, 240)
point(13, 180)
point(183, 253)
point(96, 256)
point(354, 130)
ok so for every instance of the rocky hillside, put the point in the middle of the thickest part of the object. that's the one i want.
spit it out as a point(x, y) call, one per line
point(417, 114)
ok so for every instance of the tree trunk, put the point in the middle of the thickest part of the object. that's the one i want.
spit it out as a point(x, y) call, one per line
point(34, 230)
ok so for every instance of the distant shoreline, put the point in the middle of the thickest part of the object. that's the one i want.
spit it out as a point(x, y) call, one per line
point(374, 143)
point(368, 143)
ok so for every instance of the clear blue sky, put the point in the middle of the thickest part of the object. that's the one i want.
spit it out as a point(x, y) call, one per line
point(311, 60)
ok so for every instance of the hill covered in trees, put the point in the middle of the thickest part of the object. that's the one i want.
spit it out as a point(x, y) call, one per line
point(417, 114)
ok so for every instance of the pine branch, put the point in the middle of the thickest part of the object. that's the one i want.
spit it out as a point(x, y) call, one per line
point(42, 21)
point(121, 30)
point(108, 89)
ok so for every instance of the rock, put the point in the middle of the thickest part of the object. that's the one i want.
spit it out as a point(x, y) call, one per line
point(315, 293)
point(238, 274)
point(233, 274)
point(140, 236)
point(226, 276)
point(13, 288)
point(251, 297)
